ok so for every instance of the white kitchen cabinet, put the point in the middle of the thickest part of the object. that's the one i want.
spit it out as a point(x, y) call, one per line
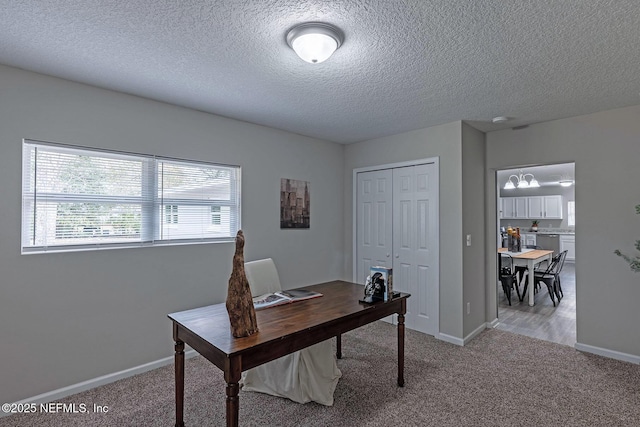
point(514, 207)
point(553, 207)
point(568, 243)
point(533, 207)
point(507, 207)
point(522, 207)
point(536, 207)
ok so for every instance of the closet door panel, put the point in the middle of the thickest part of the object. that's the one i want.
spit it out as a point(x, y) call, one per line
point(374, 221)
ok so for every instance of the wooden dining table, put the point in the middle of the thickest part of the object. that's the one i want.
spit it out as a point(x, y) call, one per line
point(529, 258)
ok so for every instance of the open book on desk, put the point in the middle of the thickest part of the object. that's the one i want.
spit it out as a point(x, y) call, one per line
point(283, 297)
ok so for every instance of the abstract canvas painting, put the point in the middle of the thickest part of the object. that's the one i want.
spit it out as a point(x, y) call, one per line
point(294, 203)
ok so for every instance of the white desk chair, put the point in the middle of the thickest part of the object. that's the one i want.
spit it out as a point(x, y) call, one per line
point(310, 374)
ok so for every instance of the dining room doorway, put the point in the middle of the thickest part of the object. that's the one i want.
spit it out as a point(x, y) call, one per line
point(549, 205)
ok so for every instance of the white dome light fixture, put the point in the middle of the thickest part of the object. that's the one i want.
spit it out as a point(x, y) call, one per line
point(315, 42)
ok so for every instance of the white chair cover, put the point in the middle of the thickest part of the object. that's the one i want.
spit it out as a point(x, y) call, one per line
point(310, 374)
point(262, 276)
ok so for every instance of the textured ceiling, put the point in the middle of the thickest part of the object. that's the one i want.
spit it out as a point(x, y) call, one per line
point(404, 65)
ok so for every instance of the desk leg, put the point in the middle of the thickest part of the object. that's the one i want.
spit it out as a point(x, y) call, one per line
point(532, 284)
point(339, 346)
point(232, 375)
point(179, 367)
point(400, 350)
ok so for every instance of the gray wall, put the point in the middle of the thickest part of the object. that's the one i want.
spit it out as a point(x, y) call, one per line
point(442, 141)
point(473, 199)
point(606, 150)
point(75, 316)
point(71, 317)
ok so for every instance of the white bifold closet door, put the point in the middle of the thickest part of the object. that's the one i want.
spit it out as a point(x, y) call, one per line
point(397, 223)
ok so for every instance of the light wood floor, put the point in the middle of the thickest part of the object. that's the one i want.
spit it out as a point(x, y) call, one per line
point(543, 320)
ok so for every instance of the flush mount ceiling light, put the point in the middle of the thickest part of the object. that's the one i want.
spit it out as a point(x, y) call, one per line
point(521, 181)
point(565, 180)
point(314, 42)
point(500, 119)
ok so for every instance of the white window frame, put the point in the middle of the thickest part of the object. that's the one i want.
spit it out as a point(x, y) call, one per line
point(152, 202)
point(571, 213)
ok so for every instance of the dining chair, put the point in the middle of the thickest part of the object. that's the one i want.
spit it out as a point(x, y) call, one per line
point(522, 271)
point(563, 257)
point(508, 276)
point(307, 375)
point(550, 277)
point(543, 266)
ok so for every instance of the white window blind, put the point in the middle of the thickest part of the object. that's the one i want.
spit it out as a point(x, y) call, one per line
point(76, 198)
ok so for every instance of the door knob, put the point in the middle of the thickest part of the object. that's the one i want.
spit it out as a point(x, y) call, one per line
point(388, 255)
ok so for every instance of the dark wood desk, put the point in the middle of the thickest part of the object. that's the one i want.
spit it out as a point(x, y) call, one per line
point(283, 330)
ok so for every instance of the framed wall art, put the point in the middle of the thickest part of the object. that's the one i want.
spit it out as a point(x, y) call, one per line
point(295, 203)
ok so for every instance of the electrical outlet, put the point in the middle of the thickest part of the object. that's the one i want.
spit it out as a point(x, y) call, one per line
point(468, 308)
point(468, 239)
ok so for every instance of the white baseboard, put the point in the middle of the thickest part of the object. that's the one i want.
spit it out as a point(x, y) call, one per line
point(106, 379)
point(463, 341)
point(475, 333)
point(450, 339)
point(625, 357)
point(99, 381)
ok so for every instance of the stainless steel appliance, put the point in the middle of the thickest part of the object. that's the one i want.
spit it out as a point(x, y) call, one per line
point(503, 238)
point(549, 241)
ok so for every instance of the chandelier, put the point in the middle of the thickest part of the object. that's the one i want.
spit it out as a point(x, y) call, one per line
point(521, 181)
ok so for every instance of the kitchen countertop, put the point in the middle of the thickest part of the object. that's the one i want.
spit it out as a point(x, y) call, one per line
point(554, 231)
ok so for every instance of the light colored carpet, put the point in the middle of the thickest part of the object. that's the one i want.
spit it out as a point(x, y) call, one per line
point(498, 379)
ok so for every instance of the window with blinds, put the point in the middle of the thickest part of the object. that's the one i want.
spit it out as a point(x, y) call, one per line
point(78, 199)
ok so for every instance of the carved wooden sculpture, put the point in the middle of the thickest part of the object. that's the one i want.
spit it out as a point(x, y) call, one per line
point(242, 315)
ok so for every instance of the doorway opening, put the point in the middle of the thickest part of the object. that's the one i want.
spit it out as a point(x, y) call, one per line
point(545, 216)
